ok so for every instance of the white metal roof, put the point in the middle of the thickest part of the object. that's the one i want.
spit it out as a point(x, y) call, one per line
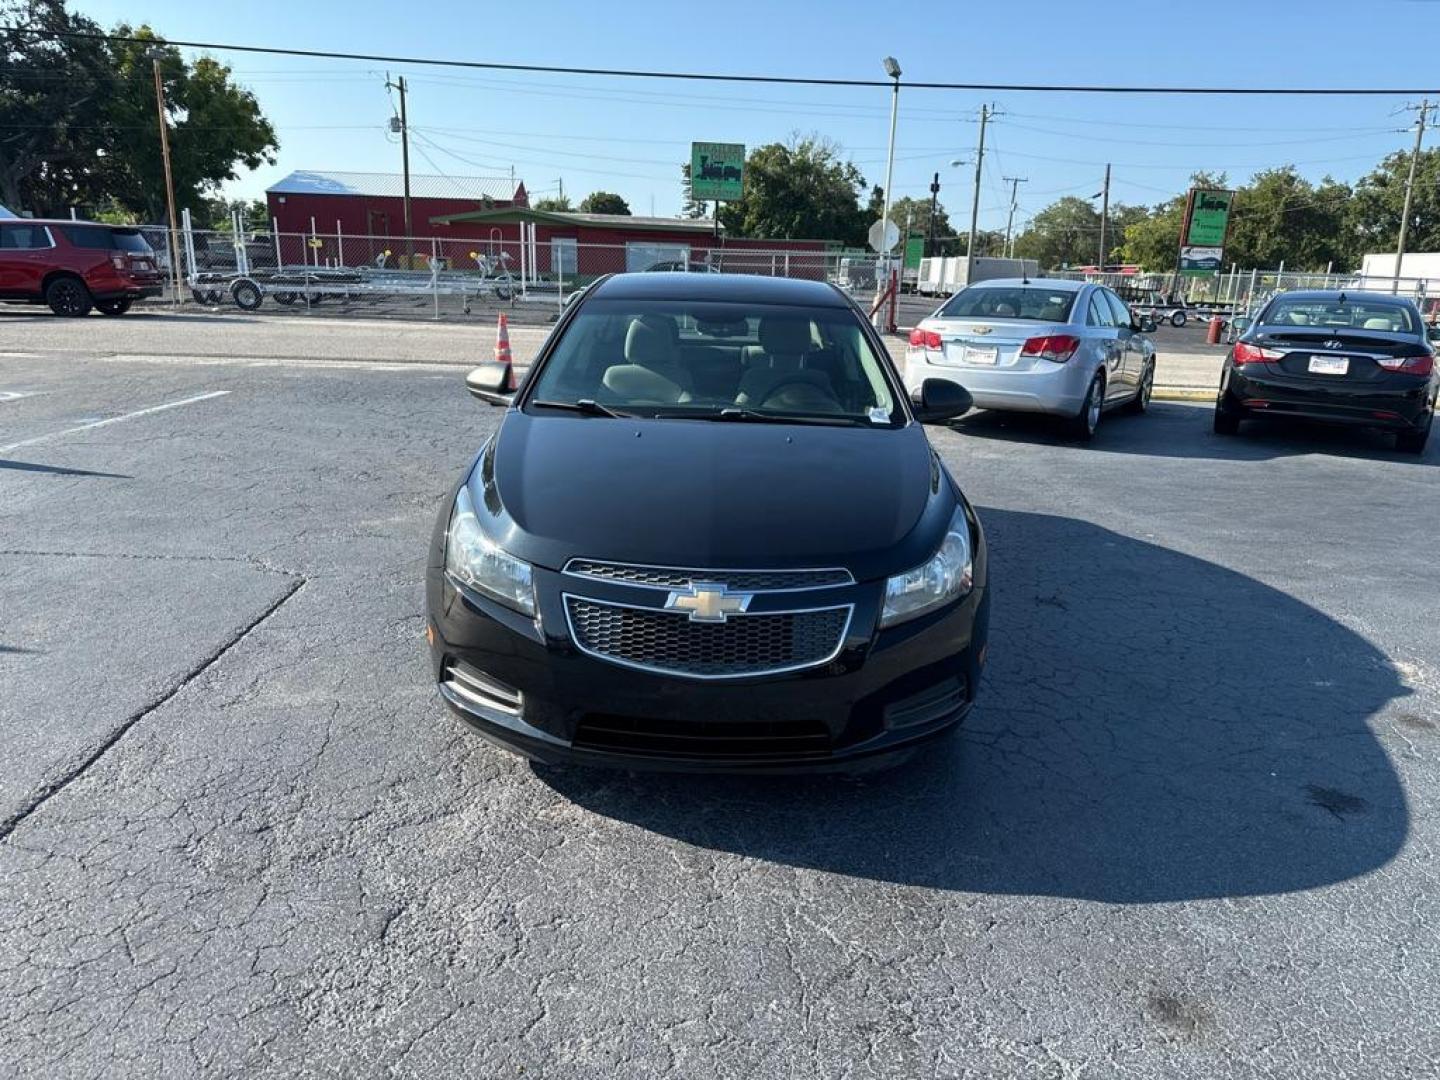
point(311, 182)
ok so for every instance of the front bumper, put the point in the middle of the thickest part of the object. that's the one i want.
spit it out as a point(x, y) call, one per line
point(1045, 387)
point(1256, 390)
point(884, 693)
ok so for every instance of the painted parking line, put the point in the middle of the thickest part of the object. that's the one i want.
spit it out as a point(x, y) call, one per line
point(16, 395)
point(113, 420)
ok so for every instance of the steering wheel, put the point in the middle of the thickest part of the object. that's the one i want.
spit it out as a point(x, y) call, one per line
point(821, 398)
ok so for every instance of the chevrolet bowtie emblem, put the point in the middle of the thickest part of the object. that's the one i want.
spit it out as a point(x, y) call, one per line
point(708, 601)
point(983, 329)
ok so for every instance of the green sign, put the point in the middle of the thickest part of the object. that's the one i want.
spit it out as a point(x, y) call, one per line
point(914, 252)
point(717, 171)
point(1209, 218)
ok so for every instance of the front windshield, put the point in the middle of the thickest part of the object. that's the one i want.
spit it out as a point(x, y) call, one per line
point(1010, 302)
point(677, 358)
point(1327, 314)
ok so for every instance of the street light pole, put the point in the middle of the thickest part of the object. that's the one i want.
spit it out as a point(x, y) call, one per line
point(156, 55)
point(892, 68)
point(975, 202)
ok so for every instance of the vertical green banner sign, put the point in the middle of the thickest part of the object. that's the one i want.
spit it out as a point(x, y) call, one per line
point(1202, 242)
point(717, 171)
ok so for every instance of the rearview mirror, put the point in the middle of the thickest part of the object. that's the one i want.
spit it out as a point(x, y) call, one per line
point(938, 400)
point(1241, 323)
point(492, 383)
point(1146, 325)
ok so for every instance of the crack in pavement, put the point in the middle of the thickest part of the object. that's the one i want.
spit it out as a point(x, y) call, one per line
point(43, 795)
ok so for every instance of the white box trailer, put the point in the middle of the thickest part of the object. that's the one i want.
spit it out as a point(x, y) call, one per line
point(1378, 271)
point(942, 276)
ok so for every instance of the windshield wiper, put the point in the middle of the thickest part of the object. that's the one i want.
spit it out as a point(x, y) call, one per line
point(588, 406)
point(738, 414)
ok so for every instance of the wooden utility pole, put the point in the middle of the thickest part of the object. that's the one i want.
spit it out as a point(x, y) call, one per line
point(975, 202)
point(155, 57)
point(1014, 182)
point(1104, 218)
point(1409, 194)
point(399, 84)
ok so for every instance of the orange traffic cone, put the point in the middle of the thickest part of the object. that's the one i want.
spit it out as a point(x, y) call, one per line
point(502, 351)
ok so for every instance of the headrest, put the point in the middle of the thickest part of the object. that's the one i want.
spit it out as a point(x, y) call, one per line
point(1299, 318)
point(1053, 312)
point(785, 335)
point(634, 383)
point(651, 340)
point(1379, 323)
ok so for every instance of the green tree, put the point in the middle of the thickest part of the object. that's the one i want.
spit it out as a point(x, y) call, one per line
point(801, 188)
point(1065, 233)
point(216, 128)
point(917, 213)
point(53, 98)
point(1372, 221)
point(604, 202)
point(78, 126)
point(556, 204)
point(1280, 217)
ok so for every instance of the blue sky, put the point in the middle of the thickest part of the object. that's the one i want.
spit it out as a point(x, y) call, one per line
point(630, 136)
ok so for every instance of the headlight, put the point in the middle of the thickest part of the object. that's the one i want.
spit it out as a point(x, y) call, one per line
point(474, 560)
point(946, 577)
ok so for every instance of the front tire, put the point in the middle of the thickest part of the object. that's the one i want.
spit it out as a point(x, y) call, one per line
point(1084, 425)
point(68, 297)
point(1141, 403)
point(114, 307)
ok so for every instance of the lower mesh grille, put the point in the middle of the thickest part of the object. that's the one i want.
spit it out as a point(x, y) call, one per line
point(714, 740)
point(671, 642)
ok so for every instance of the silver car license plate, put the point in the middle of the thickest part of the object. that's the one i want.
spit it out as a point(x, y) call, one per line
point(978, 354)
point(1330, 365)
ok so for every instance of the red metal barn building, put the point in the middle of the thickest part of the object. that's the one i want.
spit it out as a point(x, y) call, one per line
point(491, 215)
point(373, 204)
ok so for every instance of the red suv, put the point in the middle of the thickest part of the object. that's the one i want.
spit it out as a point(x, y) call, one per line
point(76, 265)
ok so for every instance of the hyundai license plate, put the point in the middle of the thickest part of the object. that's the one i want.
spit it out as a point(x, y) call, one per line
point(1329, 365)
point(981, 354)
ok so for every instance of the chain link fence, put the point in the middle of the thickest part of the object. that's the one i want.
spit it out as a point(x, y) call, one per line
point(318, 273)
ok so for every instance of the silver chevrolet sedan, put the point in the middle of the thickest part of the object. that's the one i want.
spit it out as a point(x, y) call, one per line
point(1068, 348)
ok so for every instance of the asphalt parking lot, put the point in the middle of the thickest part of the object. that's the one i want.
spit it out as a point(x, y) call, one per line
point(1190, 829)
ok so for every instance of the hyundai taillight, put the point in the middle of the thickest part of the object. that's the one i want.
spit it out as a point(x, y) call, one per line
point(1423, 364)
point(924, 339)
point(1245, 353)
point(1056, 347)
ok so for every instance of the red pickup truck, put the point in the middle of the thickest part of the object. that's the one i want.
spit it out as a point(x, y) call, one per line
point(74, 266)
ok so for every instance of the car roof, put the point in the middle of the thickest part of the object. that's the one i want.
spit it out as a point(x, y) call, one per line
point(1335, 294)
point(740, 288)
point(1034, 283)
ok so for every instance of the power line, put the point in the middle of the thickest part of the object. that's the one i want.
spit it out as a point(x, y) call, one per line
point(788, 80)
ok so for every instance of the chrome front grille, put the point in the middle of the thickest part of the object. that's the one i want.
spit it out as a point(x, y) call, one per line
point(671, 577)
point(670, 642)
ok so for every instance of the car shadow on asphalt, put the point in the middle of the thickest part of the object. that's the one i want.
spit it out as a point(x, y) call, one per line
point(1177, 430)
point(58, 470)
point(1151, 727)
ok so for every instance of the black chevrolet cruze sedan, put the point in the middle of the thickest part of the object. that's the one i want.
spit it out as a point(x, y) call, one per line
point(1341, 357)
point(710, 534)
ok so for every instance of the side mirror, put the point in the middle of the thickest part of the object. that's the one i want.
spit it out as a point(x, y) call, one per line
point(492, 383)
point(1145, 325)
point(938, 400)
point(1241, 323)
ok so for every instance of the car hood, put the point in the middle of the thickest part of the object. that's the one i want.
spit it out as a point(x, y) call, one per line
point(706, 494)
